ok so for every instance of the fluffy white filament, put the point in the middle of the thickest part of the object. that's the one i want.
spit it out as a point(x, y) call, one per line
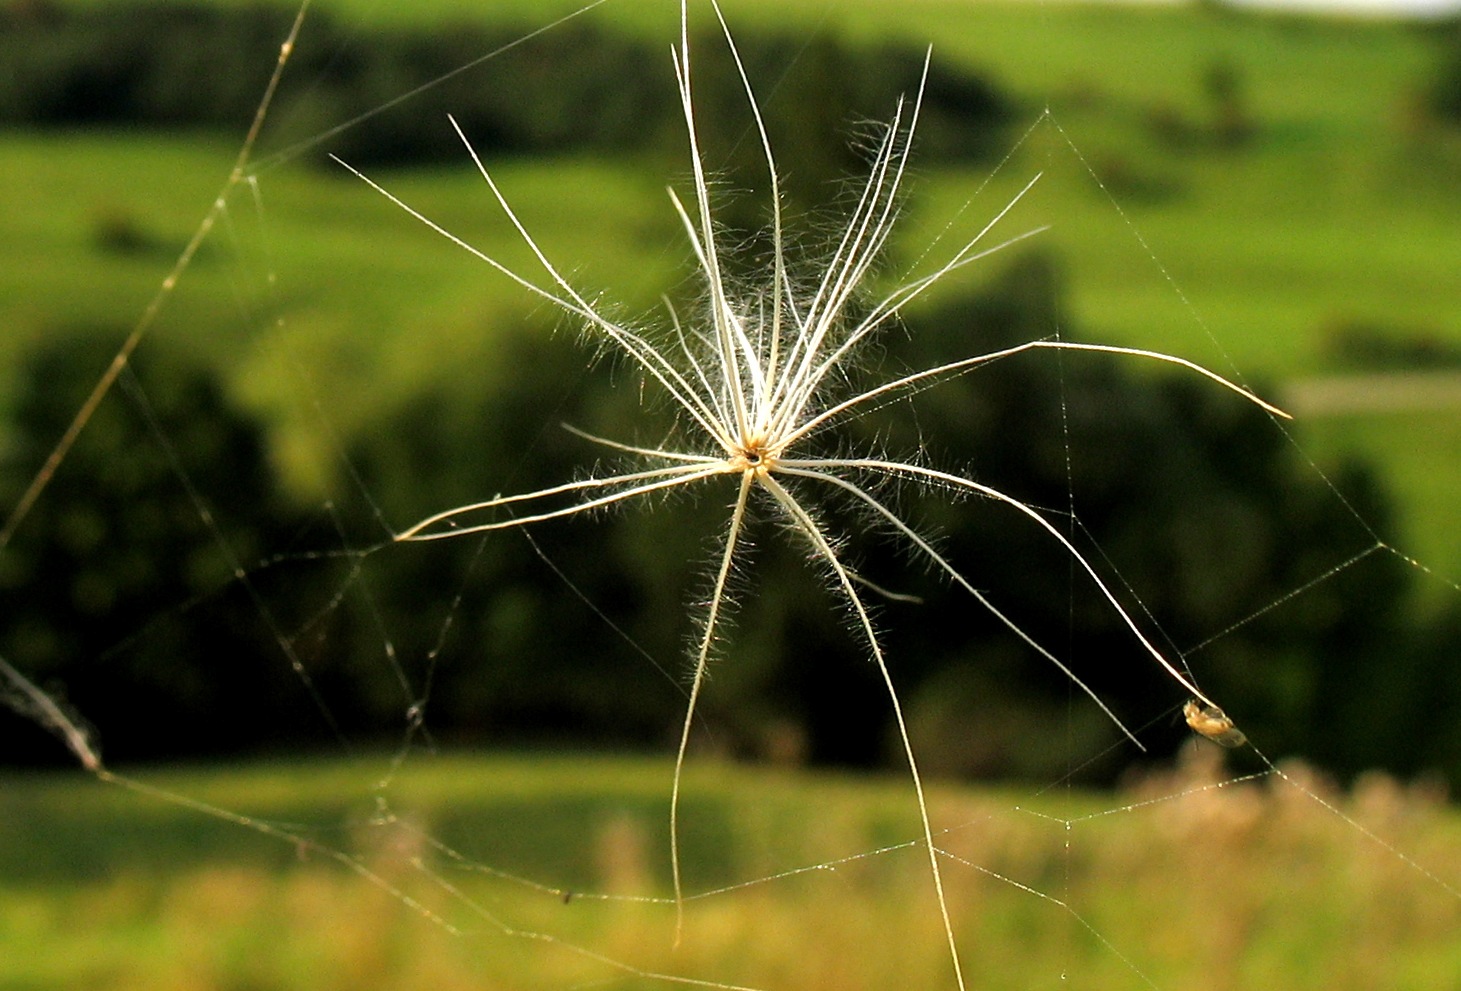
point(757, 377)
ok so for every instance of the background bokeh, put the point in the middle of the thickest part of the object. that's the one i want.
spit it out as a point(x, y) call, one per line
point(327, 372)
point(335, 762)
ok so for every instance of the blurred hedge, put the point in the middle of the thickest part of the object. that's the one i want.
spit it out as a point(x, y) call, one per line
point(119, 595)
point(579, 87)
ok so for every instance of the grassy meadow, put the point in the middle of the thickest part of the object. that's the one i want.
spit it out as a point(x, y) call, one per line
point(503, 869)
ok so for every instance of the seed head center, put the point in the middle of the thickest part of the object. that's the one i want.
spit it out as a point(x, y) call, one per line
point(754, 457)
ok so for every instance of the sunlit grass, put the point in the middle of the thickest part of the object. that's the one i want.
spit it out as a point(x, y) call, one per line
point(1255, 884)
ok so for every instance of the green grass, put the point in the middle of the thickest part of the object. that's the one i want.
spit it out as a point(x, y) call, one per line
point(1255, 885)
point(1416, 450)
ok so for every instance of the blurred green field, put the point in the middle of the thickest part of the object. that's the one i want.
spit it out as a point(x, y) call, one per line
point(1338, 214)
point(1251, 885)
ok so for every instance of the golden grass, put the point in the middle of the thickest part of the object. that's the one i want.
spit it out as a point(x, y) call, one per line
point(1175, 882)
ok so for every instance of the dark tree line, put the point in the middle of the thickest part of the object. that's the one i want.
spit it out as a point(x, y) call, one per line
point(116, 591)
point(180, 66)
point(118, 594)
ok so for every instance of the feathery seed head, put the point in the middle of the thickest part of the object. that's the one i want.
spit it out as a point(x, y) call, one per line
point(760, 373)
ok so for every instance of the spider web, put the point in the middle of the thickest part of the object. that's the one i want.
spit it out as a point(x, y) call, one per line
point(1176, 875)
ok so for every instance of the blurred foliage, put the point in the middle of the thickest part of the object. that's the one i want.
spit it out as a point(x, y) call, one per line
point(122, 586)
point(513, 91)
point(1372, 347)
point(1201, 505)
point(1186, 496)
point(1442, 95)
